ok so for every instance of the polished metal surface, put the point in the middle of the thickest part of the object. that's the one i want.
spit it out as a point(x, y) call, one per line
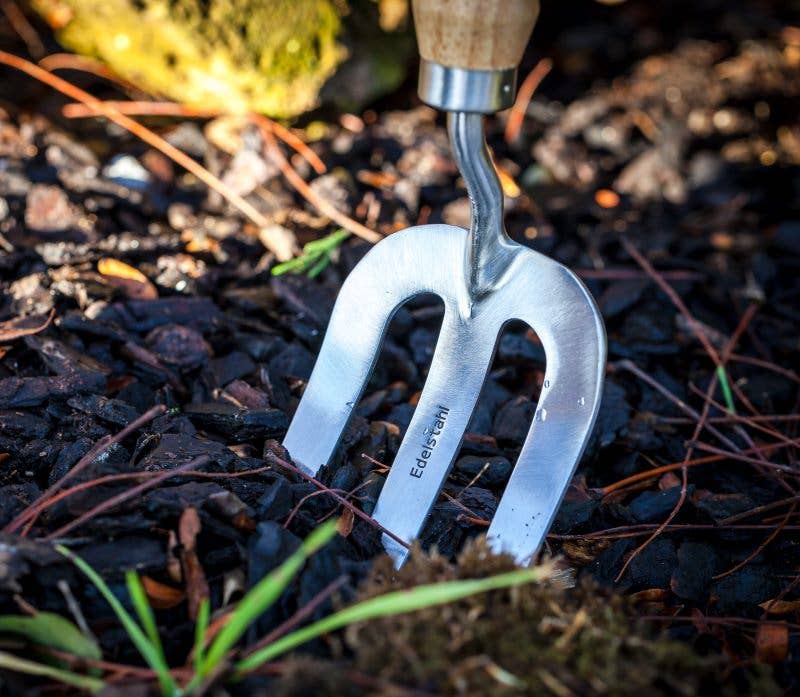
point(485, 280)
point(489, 250)
point(459, 89)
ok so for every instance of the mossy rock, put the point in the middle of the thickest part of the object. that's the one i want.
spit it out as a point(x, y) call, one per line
point(232, 56)
point(538, 640)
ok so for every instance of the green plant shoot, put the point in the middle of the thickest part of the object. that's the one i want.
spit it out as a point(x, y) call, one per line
point(315, 257)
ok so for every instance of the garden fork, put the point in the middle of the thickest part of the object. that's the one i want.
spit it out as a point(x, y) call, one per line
point(470, 50)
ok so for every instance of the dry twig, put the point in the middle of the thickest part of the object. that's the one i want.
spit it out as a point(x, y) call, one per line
point(517, 113)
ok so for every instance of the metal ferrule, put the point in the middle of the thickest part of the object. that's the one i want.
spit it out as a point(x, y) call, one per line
point(457, 89)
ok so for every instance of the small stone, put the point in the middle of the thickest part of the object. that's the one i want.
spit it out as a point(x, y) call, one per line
point(280, 240)
point(188, 137)
point(336, 188)
point(31, 295)
point(48, 209)
point(127, 171)
point(458, 213)
point(247, 171)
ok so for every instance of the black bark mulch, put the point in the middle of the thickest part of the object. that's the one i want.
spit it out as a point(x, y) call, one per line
point(668, 131)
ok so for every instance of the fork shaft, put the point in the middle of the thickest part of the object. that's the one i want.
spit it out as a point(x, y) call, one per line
point(489, 251)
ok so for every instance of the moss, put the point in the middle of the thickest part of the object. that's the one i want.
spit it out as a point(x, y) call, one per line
point(302, 677)
point(533, 640)
point(230, 55)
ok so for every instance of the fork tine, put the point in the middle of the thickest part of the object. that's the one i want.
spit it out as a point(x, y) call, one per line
point(574, 341)
point(417, 260)
point(534, 289)
point(434, 435)
point(553, 301)
point(339, 376)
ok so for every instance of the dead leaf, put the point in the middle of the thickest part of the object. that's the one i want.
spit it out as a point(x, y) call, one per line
point(132, 282)
point(699, 621)
point(668, 480)
point(225, 132)
point(24, 326)
point(509, 186)
point(160, 595)
point(606, 198)
point(345, 524)
point(114, 267)
point(377, 180)
point(196, 585)
point(650, 595)
point(780, 607)
point(234, 584)
point(772, 642)
point(174, 569)
point(199, 242)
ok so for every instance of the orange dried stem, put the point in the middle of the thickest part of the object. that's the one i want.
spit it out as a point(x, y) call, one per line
point(138, 130)
point(524, 96)
point(146, 108)
point(305, 190)
point(71, 61)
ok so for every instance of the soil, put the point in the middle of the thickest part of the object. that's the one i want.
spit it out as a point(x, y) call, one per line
point(659, 158)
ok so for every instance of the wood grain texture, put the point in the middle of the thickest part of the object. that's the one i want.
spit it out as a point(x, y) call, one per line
point(474, 34)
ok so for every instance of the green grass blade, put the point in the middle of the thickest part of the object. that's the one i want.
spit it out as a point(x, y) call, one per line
point(315, 247)
point(315, 256)
point(297, 263)
point(727, 393)
point(327, 243)
point(53, 631)
point(262, 595)
point(21, 665)
point(150, 653)
point(319, 266)
point(200, 629)
point(143, 609)
point(395, 603)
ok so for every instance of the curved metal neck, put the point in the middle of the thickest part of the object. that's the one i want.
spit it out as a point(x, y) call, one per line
point(489, 249)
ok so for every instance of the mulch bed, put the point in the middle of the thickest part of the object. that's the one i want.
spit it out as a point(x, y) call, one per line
point(659, 159)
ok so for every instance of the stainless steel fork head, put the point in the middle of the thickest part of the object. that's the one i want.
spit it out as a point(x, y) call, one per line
point(534, 289)
point(485, 280)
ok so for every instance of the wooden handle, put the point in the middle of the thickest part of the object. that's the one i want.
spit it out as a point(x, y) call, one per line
point(474, 34)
